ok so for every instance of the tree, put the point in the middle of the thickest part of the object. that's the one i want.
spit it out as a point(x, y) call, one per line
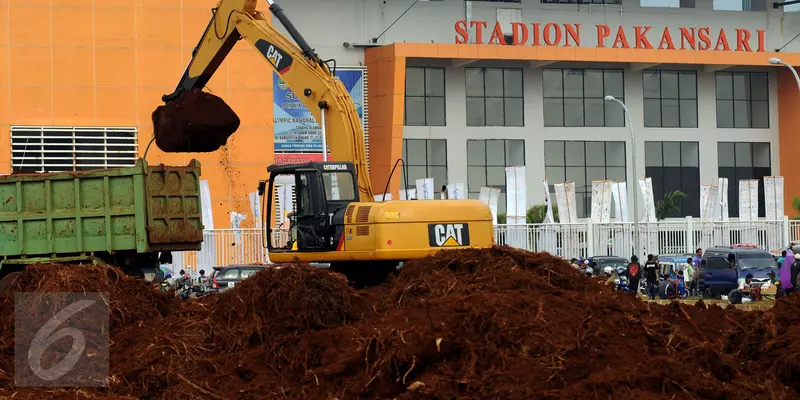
point(669, 204)
point(537, 213)
point(796, 206)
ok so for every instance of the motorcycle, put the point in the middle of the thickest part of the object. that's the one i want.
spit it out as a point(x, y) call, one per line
point(621, 281)
point(165, 285)
point(184, 287)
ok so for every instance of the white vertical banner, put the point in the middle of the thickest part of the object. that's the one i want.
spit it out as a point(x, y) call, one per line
point(773, 198)
point(546, 237)
point(705, 193)
point(623, 200)
point(706, 230)
point(408, 194)
point(620, 238)
point(769, 197)
point(754, 200)
point(744, 200)
point(724, 214)
point(648, 232)
point(456, 191)
point(601, 202)
point(561, 203)
point(615, 196)
point(255, 208)
point(208, 248)
point(490, 196)
point(548, 219)
point(425, 189)
point(567, 215)
point(571, 202)
point(205, 203)
point(712, 204)
point(516, 203)
point(646, 187)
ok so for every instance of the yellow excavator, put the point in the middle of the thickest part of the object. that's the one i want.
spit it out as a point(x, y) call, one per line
point(336, 219)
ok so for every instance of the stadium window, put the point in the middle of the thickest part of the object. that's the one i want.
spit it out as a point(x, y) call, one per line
point(583, 162)
point(743, 160)
point(742, 100)
point(425, 97)
point(486, 165)
point(670, 99)
point(494, 97)
point(575, 97)
point(675, 166)
point(424, 158)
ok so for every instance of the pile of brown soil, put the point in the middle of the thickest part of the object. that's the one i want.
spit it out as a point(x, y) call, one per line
point(196, 122)
point(472, 324)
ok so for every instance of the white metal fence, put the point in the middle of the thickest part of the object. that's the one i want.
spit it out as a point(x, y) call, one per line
point(246, 246)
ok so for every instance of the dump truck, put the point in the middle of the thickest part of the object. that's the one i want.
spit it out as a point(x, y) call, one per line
point(130, 217)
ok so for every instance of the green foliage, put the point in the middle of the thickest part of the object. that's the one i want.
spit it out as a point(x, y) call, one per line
point(537, 214)
point(796, 206)
point(501, 219)
point(669, 204)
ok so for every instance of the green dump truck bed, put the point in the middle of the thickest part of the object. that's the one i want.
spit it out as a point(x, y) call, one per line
point(72, 215)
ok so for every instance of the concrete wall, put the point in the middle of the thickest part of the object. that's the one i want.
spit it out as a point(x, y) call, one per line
point(327, 24)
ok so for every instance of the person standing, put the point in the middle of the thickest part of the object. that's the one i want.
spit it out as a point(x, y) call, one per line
point(698, 256)
point(651, 276)
point(782, 258)
point(794, 271)
point(634, 274)
point(689, 276)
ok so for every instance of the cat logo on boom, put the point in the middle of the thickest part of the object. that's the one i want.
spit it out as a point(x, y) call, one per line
point(281, 60)
point(448, 235)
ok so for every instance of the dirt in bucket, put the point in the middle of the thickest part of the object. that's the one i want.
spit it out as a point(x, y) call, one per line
point(196, 122)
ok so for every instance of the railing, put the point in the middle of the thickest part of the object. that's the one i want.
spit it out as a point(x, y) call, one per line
point(246, 246)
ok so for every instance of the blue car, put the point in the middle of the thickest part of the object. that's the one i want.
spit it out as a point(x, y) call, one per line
point(725, 265)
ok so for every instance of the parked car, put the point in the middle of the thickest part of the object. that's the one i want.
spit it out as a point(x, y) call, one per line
point(719, 277)
point(672, 263)
point(599, 263)
point(224, 278)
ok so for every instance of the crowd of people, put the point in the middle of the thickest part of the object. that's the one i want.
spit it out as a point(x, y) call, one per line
point(683, 279)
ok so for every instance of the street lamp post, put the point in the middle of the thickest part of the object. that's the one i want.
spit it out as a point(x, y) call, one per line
point(778, 61)
point(633, 160)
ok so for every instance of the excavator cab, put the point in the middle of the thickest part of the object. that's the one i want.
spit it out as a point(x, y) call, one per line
point(322, 192)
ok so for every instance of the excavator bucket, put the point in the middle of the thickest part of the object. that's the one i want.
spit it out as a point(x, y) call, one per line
point(195, 122)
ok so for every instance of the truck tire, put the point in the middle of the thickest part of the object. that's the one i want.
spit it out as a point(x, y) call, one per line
point(8, 281)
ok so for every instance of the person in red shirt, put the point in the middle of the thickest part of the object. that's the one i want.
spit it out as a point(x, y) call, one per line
point(634, 274)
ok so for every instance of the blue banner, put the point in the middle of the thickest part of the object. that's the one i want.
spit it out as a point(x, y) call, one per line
point(296, 130)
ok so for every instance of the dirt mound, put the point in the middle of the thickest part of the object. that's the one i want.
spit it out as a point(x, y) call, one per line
point(198, 122)
point(504, 323)
point(286, 301)
point(471, 324)
point(130, 302)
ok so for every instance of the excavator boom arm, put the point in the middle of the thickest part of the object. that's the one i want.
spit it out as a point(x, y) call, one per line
point(298, 66)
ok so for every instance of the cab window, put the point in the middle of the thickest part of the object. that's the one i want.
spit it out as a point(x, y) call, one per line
point(339, 186)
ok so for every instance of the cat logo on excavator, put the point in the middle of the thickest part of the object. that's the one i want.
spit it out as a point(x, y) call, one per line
point(448, 235)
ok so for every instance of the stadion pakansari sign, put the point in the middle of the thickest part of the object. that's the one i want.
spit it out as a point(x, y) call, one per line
point(296, 130)
point(619, 37)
